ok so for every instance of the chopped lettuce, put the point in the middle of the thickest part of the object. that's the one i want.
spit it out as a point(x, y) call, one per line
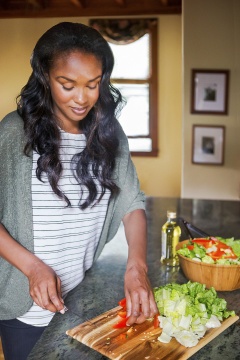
point(207, 259)
point(187, 311)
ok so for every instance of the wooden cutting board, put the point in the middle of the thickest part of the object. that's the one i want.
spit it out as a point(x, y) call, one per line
point(139, 343)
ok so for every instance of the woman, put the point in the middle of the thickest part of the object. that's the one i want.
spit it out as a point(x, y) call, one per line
point(67, 181)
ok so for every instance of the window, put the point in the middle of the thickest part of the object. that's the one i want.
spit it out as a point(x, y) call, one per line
point(136, 75)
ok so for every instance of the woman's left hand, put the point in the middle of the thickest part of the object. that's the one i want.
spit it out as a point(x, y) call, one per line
point(139, 296)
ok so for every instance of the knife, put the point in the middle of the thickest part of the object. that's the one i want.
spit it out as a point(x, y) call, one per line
point(65, 309)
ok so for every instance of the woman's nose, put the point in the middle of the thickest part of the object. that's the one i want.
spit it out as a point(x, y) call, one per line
point(80, 96)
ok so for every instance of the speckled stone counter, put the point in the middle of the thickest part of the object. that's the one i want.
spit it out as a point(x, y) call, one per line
point(103, 284)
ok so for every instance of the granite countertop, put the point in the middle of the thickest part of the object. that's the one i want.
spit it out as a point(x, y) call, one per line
point(102, 286)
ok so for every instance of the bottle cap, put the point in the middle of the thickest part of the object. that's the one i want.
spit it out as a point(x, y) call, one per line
point(171, 214)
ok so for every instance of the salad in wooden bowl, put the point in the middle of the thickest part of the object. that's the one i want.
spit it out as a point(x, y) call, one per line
point(212, 261)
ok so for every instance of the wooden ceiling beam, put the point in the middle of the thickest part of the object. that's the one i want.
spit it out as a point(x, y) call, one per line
point(78, 3)
point(36, 4)
point(120, 2)
point(87, 8)
point(164, 2)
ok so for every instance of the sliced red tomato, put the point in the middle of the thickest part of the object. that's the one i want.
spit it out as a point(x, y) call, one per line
point(190, 247)
point(156, 321)
point(121, 324)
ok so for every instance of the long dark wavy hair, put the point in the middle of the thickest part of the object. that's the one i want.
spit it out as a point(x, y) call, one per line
point(35, 106)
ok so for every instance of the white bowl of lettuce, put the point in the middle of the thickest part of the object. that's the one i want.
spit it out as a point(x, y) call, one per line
point(211, 263)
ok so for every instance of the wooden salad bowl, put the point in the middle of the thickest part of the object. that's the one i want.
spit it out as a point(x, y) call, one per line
point(221, 277)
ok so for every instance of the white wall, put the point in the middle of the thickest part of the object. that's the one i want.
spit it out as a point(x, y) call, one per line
point(211, 40)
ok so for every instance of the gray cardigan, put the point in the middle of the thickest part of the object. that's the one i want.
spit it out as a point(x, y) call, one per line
point(16, 208)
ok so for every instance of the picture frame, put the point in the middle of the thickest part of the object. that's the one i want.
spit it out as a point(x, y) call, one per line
point(210, 90)
point(208, 143)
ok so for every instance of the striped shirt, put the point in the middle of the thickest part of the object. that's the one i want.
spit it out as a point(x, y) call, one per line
point(65, 238)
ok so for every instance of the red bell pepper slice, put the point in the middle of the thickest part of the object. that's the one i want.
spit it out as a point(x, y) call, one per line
point(156, 321)
point(220, 253)
point(121, 324)
point(216, 254)
point(230, 256)
point(207, 243)
point(122, 302)
point(122, 313)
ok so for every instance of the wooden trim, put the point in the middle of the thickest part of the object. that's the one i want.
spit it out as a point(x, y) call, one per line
point(120, 2)
point(153, 97)
point(152, 153)
point(152, 81)
point(153, 88)
point(78, 3)
point(90, 8)
point(130, 81)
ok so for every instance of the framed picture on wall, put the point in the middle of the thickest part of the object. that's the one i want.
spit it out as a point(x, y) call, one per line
point(209, 92)
point(208, 144)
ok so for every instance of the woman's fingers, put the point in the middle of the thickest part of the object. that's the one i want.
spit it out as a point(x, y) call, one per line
point(45, 288)
point(140, 308)
point(54, 297)
point(139, 296)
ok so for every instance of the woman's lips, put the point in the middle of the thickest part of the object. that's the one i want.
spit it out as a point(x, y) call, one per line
point(79, 111)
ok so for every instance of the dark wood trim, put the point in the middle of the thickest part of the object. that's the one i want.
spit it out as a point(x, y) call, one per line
point(90, 8)
point(78, 3)
point(152, 153)
point(153, 97)
point(129, 81)
point(153, 88)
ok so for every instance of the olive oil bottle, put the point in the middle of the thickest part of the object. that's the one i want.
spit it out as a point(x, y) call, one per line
point(171, 233)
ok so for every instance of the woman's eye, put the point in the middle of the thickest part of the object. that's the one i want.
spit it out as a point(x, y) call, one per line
point(92, 87)
point(67, 88)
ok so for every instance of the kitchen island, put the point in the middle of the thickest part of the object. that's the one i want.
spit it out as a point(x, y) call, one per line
point(102, 286)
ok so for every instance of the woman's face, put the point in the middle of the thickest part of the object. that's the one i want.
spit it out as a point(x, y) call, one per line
point(74, 82)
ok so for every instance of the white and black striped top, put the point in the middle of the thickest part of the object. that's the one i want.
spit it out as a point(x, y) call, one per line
point(65, 238)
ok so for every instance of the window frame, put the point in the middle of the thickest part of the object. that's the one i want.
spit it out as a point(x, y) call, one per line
point(152, 81)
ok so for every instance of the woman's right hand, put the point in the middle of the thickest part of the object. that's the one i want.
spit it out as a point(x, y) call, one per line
point(44, 284)
point(45, 287)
